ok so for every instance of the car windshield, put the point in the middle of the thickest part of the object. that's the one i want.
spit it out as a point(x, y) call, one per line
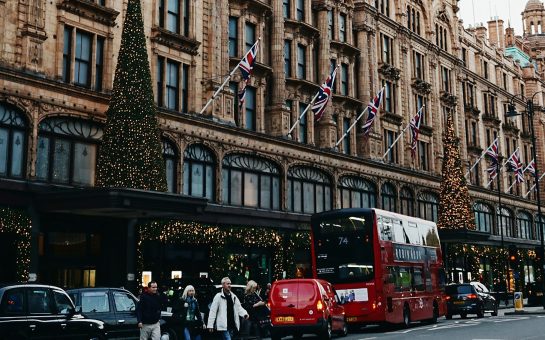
point(463, 289)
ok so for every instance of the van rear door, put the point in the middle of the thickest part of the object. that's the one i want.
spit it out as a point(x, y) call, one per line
point(284, 302)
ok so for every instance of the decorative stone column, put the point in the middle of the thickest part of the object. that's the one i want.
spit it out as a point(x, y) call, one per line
point(277, 115)
point(326, 129)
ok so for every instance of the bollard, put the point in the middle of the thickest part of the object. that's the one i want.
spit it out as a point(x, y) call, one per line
point(519, 305)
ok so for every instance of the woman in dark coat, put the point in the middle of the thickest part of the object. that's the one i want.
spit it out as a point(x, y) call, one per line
point(256, 307)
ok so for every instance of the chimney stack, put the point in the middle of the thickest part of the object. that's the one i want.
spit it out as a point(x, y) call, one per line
point(480, 32)
point(495, 33)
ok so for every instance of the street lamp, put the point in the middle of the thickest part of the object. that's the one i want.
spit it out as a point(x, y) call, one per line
point(512, 112)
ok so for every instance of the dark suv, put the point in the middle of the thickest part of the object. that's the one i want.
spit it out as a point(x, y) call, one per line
point(33, 311)
point(469, 298)
point(117, 308)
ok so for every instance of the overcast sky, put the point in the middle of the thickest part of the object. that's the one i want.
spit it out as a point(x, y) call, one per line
point(476, 11)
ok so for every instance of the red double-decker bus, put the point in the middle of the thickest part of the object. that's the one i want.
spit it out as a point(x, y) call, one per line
point(385, 267)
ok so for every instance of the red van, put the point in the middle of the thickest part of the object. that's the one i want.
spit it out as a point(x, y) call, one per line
point(300, 306)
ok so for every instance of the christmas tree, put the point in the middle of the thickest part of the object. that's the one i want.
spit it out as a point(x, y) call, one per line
point(454, 203)
point(131, 152)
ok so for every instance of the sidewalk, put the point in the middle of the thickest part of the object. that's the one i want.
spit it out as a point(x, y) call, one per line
point(535, 310)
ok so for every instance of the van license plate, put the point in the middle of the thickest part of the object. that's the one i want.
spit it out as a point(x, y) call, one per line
point(284, 319)
point(351, 319)
point(458, 302)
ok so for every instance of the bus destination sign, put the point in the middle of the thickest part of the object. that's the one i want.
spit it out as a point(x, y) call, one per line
point(410, 253)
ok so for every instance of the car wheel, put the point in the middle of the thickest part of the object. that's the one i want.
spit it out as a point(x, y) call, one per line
point(480, 311)
point(326, 333)
point(406, 316)
point(463, 315)
point(495, 312)
point(448, 316)
point(344, 331)
point(169, 335)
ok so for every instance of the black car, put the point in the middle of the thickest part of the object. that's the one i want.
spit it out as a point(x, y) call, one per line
point(116, 307)
point(33, 311)
point(469, 298)
point(534, 292)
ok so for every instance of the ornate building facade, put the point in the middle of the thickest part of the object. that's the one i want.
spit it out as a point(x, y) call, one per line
point(257, 185)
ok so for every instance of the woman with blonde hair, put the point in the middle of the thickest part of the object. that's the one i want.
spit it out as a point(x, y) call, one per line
point(256, 307)
point(191, 314)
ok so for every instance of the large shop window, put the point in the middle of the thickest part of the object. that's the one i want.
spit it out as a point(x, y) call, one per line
point(356, 192)
point(309, 190)
point(505, 225)
point(251, 181)
point(388, 193)
point(484, 218)
point(428, 205)
point(524, 225)
point(67, 150)
point(407, 201)
point(13, 136)
point(170, 156)
point(199, 165)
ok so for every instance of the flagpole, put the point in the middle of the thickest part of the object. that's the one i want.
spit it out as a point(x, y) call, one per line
point(479, 159)
point(351, 126)
point(302, 114)
point(533, 186)
point(227, 79)
point(395, 141)
point(401, 134)
point(497, 173)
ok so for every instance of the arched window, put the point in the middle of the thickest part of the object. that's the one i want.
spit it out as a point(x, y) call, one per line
point(356, 192)
point(13, 136)
point(251, 182)
point(428, 204)
point(309, 190)
point(171, 164)
point(407, 201)
point(199, 164)
point(388, 194)
point(505, 225)
point(484, 218)
point(67, 150)
point(524, 225)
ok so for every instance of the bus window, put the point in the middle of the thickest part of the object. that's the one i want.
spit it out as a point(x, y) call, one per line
point(403, 279)
point(418, 281)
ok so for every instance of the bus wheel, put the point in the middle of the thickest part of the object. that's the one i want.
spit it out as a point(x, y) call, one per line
point(406, 316)
point(435, 313)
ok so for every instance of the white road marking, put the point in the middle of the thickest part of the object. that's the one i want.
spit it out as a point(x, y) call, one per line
point(368, 338)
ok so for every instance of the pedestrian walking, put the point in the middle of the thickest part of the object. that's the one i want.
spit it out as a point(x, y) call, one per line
point(257, 309)
point(225, 311)
point(191, 314)
point(148, 313)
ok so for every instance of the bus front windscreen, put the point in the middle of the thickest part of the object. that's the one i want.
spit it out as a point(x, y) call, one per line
point(344, 248)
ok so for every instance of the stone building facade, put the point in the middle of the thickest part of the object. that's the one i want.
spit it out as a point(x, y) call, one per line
point(56, 72)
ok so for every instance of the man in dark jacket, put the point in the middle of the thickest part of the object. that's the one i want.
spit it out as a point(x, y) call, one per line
point(148, 313)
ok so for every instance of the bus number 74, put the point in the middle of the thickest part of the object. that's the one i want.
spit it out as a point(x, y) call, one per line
point(343, 240)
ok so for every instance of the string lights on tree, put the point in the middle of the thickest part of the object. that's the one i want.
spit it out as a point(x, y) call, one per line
point(454, 202)
point(131, 153)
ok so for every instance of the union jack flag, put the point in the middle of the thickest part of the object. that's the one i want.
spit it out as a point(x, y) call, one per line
point(372, 109)
point(492, 151)
point(246, 66)
point(415, 130)
point(492, 170)
point(324, 94)
point(516, 166)
point(531, 167)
